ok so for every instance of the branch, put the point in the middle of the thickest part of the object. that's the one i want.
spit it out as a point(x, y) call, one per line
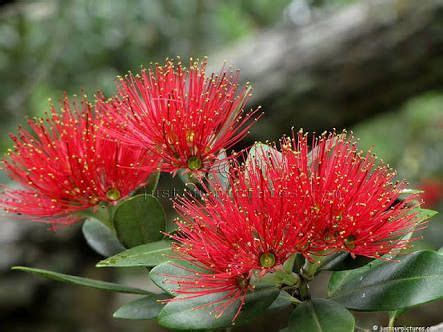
point(365, 59)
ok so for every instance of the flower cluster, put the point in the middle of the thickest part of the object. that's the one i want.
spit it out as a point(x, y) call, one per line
point(328, 199)
point(168, 118)
point(181, 114)
point(315, 196)
point(65, 166)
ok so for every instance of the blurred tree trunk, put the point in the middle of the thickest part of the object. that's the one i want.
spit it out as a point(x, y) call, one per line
point(336, 71)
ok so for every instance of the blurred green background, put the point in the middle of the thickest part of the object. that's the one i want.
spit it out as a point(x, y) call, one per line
point(79, 46)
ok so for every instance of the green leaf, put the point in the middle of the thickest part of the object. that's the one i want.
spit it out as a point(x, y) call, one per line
point(415, 279)
point(339, 278)
point(321, 315)
point(276, 278)
point(281, 302)
point(150, 254)
point(166, 274)
point(100, 238)
point(98, 284)
point(199, 312)
point(139, 220)
point(145, 308)
point(344, 261)
point(425, 214)
point(407, 192)
point(256, 303)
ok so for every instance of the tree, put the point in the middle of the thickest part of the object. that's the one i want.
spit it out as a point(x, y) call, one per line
point(342, 68)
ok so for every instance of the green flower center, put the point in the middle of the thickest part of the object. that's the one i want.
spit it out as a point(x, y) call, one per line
point(194, 163)
point(267, 259)
point(113, 194)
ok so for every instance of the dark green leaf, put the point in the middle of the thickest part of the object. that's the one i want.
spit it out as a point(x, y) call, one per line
point(344, 261)
point(166, 274)
point(103, 285)
point(100, 238)
point(281, 302)
point(321, 315)
point(145, 308)
point(339, 278)
point(150, 254)
point(417, 278)
point(276, 279)
point(256, 303)
point(139, 220)
point(199, 313)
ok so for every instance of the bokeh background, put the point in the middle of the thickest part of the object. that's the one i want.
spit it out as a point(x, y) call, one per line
point(374, 67)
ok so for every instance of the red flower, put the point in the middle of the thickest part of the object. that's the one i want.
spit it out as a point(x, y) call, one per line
point(181, 114)
point(232, 234)
point(331, 199)
point(433, 191)
point(348, 197)
point(65, 166)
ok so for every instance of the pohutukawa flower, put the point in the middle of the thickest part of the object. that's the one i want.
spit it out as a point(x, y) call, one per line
point(182, 114)
point(233, 235)
point(349, 197)
point(64, 165)
point(432, 191)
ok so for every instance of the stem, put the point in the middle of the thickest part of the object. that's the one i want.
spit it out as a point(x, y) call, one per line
point(391, 321)
point(392, 318)
point(307, 273)
point(304, 290)
point(309, 269)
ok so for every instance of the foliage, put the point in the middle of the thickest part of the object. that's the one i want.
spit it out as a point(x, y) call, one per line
point(359, 283)
point(93, 42)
